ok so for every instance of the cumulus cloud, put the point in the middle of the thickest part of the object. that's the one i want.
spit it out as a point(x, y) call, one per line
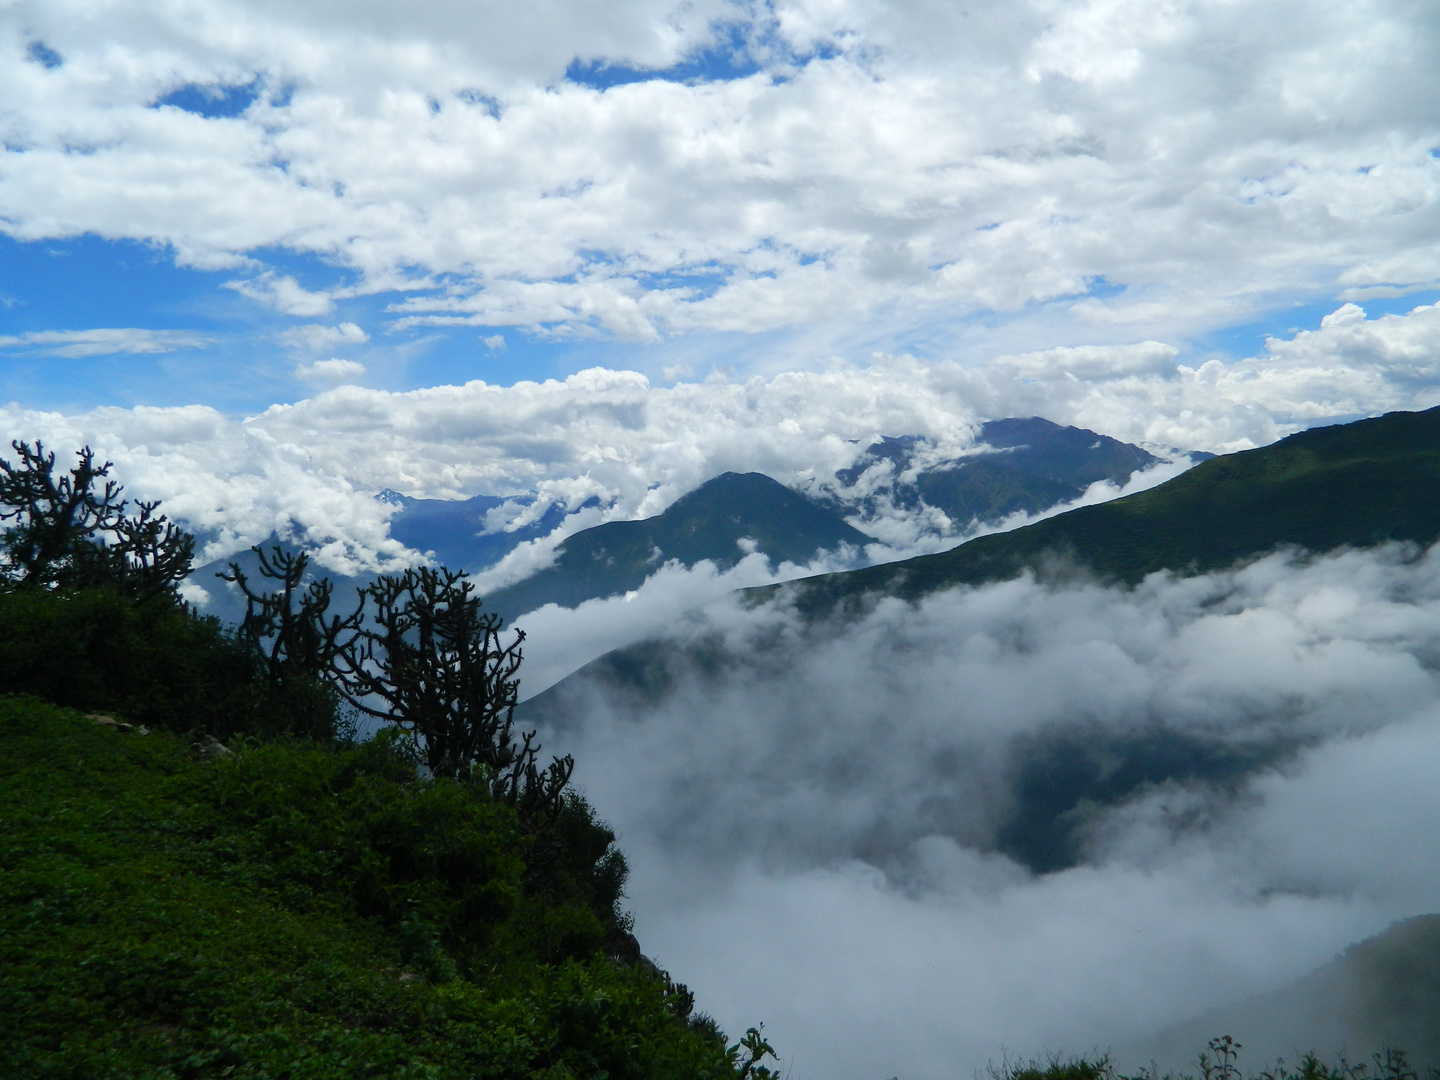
point(837, 829)
point(331, 370)
point(233, 483)
point(316, 337)
point(285, 295)
point(1175, 165)
point(75, 344)
point(561, 640)
point(636, 447)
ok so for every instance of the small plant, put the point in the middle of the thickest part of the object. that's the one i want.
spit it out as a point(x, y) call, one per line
point(420, 948)
point(1222, 1066)
point(746, 1055)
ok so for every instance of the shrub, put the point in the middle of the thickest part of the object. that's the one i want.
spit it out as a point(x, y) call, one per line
point(157, 664)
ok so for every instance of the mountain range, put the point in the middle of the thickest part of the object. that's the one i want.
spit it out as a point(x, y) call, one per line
point(1020, 466)
point(1351, 485)
point(1354, 485)
point(1023, 466)
point(721, 521)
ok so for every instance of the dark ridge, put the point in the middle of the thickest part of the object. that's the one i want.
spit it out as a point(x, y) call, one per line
point(707, 523)
point(1355, 484)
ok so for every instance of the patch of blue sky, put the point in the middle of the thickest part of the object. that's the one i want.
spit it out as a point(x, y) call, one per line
point(481, 100)
point(453, 355)
point(1248, 339)
point(310, 270)
point(42, 54)
point(205, 335)
point(701, 282)
point(737, 50)
point(87, 282)
point(1102, 287)
point(728, 57)
point(225, 349)
point(213, 101)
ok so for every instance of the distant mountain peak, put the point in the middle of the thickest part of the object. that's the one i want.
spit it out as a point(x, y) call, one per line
point(1016, 465)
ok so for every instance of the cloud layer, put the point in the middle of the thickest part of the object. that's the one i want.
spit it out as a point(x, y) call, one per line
point(71, 344)
point(816, 161)
point(825, 832)
point(315, 465)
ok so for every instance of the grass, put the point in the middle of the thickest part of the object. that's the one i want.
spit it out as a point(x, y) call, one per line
point(296, 910)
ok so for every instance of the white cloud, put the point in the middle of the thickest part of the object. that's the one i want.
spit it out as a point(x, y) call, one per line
point(1210, 158)
point(330, 370)
point(636, 447)
point(74, 344)
point(495, 342)
point(285, 295)
point(315, 337)
point(814, 822)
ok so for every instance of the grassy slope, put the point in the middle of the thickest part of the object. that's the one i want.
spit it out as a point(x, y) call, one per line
point(1359, 484)
point(294, 912)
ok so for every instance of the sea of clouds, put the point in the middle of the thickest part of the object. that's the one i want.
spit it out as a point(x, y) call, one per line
point(816, 821)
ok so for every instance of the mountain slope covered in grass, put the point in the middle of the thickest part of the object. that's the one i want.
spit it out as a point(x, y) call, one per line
point(1353, 484)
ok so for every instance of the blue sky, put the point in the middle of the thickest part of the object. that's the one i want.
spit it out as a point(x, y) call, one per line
point(756, 187)
point(238, 364)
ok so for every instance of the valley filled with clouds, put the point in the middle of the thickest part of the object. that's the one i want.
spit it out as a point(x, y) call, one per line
point(1034, 816)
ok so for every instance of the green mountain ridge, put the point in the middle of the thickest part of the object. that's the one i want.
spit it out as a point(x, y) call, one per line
point(1355, 484)
point(710, 522)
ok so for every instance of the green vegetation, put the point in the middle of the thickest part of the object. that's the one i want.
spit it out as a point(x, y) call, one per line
point(1354, 484)
point(306, 910)
point(429, 903)
point(1221, 1062)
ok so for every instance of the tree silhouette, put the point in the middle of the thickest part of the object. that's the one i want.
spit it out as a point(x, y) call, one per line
point(292, 630)
point(428, 659)
point(71, 530)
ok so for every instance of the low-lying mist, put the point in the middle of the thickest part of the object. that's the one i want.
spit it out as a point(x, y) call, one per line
point(564, 639)
point(1037, 815)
